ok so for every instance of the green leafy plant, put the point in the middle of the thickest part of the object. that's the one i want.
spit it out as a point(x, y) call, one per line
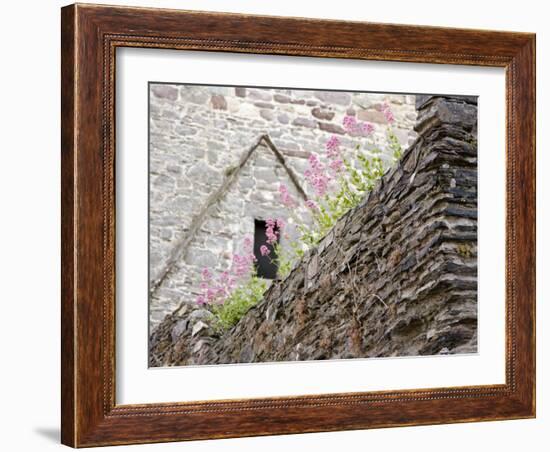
point(239, 302)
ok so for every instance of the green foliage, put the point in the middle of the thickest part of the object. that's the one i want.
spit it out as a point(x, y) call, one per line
point(394, 145)
point(284, 259)
point(355, 181)
point(239, 302)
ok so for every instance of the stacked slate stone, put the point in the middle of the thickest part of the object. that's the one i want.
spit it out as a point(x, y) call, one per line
point(397, 276)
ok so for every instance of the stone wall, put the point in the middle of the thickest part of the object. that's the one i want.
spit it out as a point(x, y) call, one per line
point(397, 276)
point(199, 135)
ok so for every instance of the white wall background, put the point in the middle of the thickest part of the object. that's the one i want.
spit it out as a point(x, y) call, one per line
point(29, 264)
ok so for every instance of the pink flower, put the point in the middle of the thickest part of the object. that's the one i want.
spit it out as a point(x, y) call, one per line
point(350, 124)
point(227, 280)
point(270, 231)
point(317, 176)
point(264, 250)
point(286, 198)
point(314, 164)
point(217, 290)
point(332, 146)
point(312, 204)
point(280, 224)
point(388, 113)
point(210, 294)
point(271, 237)
point(241, 265)
point(336, 165)
point(367, 128)
point(248, 244)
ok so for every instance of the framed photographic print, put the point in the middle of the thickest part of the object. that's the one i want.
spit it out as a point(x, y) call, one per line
point(281, 225)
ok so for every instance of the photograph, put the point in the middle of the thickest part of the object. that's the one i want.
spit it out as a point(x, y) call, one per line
point(294, 224)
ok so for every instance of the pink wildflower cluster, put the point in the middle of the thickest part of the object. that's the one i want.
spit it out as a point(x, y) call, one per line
point(312, 204)
point(336, 165)
point(212, 291)
point(388, 113)
point(351, 125)
point(243, 263)
point(216, 290)
point(273, 229)
point(286, 197)
point(317, 176)
point(333, 147)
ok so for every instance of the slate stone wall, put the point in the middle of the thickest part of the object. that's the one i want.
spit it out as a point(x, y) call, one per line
point(199, 133)
point(397, 276)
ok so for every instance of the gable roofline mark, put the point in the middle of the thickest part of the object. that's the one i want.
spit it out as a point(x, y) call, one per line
point(182, 245)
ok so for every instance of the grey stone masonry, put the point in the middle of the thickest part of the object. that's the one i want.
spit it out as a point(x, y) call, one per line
point(198, 134)
point(396, 276)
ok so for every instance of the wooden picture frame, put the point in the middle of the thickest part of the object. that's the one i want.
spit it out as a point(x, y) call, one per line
point(90, 36)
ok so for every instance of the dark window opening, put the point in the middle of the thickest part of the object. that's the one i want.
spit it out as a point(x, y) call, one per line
point(266, 266)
